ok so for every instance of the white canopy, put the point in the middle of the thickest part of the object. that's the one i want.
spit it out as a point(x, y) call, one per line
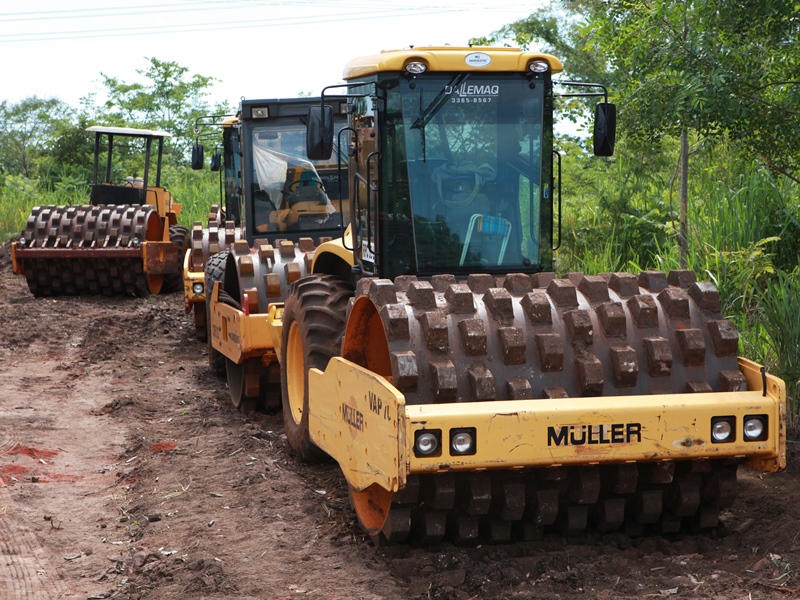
point(128, 131)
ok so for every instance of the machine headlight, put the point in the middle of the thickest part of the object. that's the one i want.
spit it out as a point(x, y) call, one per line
point(416, 67)
point(136, 242)
point(722, 429)
point(755, 428)
point(427, 442)
point(462, 441)
point(197, 288)
point(539, 66)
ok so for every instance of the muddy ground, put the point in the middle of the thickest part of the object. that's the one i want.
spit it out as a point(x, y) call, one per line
point(126, 473)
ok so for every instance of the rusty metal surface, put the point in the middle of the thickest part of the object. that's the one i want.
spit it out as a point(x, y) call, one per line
point(89, 227)
point(505, 339)
point(218, 235)
point(161, 258)
point(72, 250)
point(57, 253)
point(498, 507)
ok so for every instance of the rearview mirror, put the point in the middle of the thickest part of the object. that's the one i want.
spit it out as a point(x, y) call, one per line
point(605, 129)
point(197, 157)
point(216, 161)
point(319, 132)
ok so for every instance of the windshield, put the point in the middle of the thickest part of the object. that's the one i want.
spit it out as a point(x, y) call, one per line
point(465, 160)
point(290, 193)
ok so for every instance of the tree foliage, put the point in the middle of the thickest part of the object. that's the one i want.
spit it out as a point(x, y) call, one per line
point(29, 130)
point(45, 139)
point(685, 65)
point(557, 32)
point(703, 66)
point(170, 100)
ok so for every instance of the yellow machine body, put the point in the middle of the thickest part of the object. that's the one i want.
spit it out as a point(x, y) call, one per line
point(362, 421)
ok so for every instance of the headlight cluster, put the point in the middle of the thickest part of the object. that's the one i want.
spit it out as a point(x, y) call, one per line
point(428, 442)
point(197, 288)
point(723, 429)
point(416, 67)
point(539, 66)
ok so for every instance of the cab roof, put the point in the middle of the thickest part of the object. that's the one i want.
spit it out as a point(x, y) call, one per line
point(450, 58)
point(128, 131)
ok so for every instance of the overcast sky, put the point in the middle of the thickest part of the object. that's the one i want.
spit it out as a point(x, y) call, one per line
point(256, 48)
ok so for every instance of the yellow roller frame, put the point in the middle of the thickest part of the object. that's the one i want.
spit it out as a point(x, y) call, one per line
point(448, 59)
point(239, 336)
point(361, 420)
point(190, 297)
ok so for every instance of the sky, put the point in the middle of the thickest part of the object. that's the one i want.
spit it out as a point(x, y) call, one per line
point(255, 48)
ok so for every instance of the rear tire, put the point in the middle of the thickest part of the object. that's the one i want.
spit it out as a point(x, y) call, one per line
point(178, 235)
point(313, 327)
point(215, 271)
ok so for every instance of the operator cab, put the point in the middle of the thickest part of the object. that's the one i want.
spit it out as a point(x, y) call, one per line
point(287, 190)
point(288, 193)
point(270, 186)
point(451, 160)
point(125, 149)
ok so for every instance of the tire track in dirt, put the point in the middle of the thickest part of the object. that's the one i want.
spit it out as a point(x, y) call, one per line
point(51, 469)
point(8, 440)
point(22, 572)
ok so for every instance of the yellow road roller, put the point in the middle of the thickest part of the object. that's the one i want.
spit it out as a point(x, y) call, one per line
point(465, 390)
point(125, 241)
point(269, 191)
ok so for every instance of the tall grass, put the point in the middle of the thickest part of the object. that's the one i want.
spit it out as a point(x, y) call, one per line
point(779, 305)
point(744, 237)
point(18, 196)
point(196, 191)
point(744, 233)
point(735, 234)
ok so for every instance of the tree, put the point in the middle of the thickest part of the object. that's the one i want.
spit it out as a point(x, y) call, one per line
point(71, 155)
point(695, 70)
point(170, 100)
point(28, 130)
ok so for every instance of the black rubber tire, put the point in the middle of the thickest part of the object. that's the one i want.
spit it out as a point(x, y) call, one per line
point(178, 235)
point(315, 312)
point(215, 271)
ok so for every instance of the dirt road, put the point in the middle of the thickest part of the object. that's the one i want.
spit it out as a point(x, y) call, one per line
point(125, 473)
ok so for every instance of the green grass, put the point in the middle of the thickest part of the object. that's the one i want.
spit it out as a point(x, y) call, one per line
point(194, 190)
point(744, 237)
point(18, 196)
point(779, 312)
